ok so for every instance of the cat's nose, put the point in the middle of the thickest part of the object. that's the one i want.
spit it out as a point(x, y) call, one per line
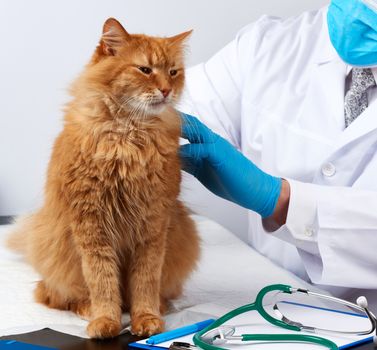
point(165, 92)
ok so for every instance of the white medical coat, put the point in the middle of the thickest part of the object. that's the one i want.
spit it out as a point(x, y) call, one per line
point(276, 92)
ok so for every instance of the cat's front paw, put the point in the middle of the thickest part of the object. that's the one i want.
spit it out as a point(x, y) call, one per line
point(146, 325)
point(103, 327)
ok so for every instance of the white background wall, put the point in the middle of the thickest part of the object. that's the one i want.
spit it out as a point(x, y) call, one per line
point(44, 44)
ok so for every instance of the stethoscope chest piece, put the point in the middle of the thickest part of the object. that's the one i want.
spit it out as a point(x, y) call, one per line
point(218, 336)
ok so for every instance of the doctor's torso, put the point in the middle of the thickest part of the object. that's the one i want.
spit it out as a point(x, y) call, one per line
point(292, 121)
point(283, 106)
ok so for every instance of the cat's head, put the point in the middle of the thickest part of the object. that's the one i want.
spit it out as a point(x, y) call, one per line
point(139, 73)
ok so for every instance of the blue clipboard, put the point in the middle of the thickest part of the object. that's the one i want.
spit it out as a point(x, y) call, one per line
point(137, 345)
point(17, 345)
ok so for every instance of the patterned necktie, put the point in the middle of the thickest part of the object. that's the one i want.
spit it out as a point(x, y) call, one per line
point(356, 100)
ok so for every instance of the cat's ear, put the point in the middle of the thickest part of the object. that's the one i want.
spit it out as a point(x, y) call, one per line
point(113, 37)
point(180, 38)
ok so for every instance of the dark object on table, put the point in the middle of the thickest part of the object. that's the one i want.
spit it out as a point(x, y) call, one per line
point(5, 220)
point(53, 339)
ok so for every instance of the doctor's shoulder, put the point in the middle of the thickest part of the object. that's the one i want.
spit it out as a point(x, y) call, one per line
point(281, 38)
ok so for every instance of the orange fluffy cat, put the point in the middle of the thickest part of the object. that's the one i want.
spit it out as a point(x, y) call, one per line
point(111, 234)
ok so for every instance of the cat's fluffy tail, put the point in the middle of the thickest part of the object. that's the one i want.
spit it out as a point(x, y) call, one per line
point(17, 239)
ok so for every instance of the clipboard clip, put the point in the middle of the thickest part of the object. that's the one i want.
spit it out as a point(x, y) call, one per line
point(178, 345)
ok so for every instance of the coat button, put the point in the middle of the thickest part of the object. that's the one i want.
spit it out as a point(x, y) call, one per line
point(309, 231)
point(328, 169)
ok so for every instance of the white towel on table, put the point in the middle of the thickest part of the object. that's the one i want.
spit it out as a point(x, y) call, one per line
point(230, 273)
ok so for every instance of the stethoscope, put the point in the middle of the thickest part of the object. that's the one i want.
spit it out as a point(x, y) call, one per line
point(216, 334)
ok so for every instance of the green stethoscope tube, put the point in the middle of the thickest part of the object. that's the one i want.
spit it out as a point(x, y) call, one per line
point(258, 306)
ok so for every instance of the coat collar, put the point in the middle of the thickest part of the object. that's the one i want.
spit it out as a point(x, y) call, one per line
point(325, 51)
point(328, 81)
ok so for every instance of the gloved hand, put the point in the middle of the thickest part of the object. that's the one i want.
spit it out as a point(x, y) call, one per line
point(225, 171)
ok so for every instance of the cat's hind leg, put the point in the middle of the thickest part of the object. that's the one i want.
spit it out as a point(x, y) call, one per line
point(52, 299)
point(49, 297)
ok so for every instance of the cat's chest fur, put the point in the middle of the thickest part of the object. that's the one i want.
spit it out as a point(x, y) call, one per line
point(126, 158)
point(139, 163)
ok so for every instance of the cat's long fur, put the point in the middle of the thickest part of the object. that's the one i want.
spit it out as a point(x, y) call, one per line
point(112, 234)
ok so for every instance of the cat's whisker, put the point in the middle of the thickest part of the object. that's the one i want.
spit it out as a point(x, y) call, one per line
point(120, 109)
point(133, 113)
point(134, 116)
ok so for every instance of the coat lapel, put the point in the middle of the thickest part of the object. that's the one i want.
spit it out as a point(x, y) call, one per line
point(323, 107)
point(362, 125)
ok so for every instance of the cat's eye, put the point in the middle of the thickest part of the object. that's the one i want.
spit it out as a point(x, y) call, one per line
point(173, 72)
point(145, 70)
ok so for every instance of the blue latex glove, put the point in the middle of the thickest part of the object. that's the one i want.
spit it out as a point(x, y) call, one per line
point(225, 171)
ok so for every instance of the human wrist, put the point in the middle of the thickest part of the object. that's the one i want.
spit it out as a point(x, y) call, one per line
point(279, 216)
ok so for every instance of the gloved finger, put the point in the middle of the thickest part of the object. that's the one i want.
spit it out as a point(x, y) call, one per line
point(195, 131)
point(192, 156)
point(189, 162)
point(189, 166)
point(194, 151)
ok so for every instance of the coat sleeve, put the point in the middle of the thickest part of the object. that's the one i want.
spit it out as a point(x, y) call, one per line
point(335, 231)
point(213, 90)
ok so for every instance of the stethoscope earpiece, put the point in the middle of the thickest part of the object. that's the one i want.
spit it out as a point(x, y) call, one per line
point(362, 302)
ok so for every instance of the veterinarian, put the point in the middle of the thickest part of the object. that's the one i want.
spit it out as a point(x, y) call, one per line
point(290, 114)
